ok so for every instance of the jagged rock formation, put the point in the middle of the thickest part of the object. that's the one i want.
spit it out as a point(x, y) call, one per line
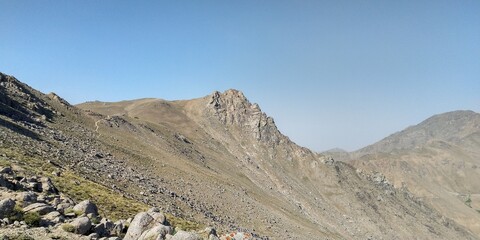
point(220, 161)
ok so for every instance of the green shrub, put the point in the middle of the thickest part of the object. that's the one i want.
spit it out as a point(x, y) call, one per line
point(17, 214)
point(68, 227)
point(95, 220)
point(32, 219)
point(468, 201)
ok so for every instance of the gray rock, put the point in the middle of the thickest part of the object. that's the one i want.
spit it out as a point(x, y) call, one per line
point(6, 207)
point(118, 228)
point(213, 237)
point(52, 215)
point(55, 202)
point(157, 216)
point(212, 233)
point(4, 182)
point(157, 232)
point(108, 224)
point(6, 170)
point(101, 230)
point(27, 197)
point(63, 206)
point(139, 224)
point(86, 207)
point(182, 235)
point(40, 208)
point(47, 185)
point(81, 225)
point(93, 236)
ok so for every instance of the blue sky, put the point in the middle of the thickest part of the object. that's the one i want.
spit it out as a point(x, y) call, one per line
point(331, 73)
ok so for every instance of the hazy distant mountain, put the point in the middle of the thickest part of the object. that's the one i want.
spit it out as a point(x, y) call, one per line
point(438, 159)
point(217, 160)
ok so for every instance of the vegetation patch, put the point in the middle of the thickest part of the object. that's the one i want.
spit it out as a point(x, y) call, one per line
point(110, 204)
point(68, 228)
point(468, 201)
point(32, 219)
point(182, 223)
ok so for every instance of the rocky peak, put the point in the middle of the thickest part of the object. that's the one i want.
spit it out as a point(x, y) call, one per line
point(232, 108)
point(53, 96)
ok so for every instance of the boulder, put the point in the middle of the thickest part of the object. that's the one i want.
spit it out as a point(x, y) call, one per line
point(47, 185)
point(157, 232)
point(40, 208)
point(118, 228)
point(52, 215)
point(6, 170)
point(26, 198)
point(81, 225)
point(183, 235)
point(101, 230)
point(6, 207)
point(139, 224)
point(157, 215)
point(86, 207)
point(4, 182)
point(63, 206)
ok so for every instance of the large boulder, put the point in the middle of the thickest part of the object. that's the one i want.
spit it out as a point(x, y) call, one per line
point(6, 207)
point(157, 232)
point(157, 216)
point(40, 208)
point(81, 225)
point(183, 235)
point(86, 207)
point(145, 221)
point(140, 223)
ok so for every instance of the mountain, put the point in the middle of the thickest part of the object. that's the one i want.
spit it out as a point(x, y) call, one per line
point(214, 161)
point(438, 160)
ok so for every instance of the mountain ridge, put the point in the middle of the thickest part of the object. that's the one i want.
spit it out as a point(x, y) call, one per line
point(217, 160)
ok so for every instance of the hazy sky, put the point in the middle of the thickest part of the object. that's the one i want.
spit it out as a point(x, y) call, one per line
point(331, 73)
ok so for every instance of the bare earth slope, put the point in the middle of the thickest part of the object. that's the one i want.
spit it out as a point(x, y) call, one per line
point(438, 159)
point(217, 160)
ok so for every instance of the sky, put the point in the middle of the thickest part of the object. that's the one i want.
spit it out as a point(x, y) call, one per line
point(331, 73)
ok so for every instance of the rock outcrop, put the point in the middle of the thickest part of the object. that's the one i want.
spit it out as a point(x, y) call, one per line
point(81, 220)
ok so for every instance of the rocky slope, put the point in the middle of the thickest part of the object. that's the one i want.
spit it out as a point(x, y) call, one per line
point(437, 159)
point(32, 208)
point(217, 161)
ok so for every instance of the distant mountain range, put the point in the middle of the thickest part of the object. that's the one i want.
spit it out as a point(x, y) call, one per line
point(219, 160)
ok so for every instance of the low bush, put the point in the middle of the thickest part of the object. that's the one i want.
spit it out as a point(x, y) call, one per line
point(32, 219)
point(68, 227)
